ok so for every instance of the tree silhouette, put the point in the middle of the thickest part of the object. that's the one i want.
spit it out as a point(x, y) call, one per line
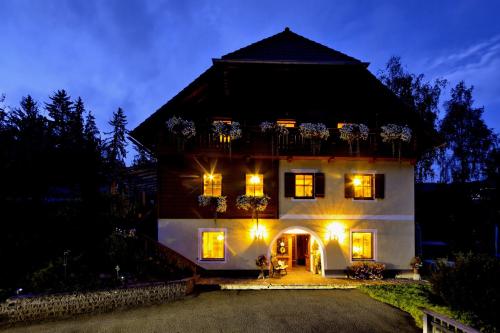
point(423, 97)
point(117, 143)
point(468, 139)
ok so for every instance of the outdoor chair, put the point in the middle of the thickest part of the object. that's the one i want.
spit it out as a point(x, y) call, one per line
point(278, 267)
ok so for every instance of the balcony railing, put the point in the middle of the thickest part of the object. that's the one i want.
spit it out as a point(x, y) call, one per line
point(253, 142)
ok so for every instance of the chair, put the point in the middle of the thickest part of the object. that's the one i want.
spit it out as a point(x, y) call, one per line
point(278, 267)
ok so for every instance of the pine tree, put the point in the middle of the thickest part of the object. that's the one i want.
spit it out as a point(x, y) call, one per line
point(468, 139)
point(117, 143)
point(91, 133)
point(143, 156)
point(59, 109)
point(76, 127)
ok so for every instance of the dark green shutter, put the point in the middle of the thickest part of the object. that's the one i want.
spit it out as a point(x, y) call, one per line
point(348, 188)
point(379, 186)
point(289, 184)
point(319, 185)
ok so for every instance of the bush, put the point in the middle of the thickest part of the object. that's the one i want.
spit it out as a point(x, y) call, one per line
point(412, 298)
point(471, 285)
point(366, 270)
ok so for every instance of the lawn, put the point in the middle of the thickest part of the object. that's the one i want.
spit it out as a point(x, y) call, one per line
point(412, 298)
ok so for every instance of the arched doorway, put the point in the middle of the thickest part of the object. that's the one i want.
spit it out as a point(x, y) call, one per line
point(313, 239)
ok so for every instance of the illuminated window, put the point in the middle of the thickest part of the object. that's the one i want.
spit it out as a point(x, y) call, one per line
point(212, 184)
point(304, 185)
point(340, 125)
point(255, 185)
point(363, 187)
point(286, 123)
point(212, 245)
point(362, 245)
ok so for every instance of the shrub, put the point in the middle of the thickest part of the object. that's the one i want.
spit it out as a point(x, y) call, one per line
point(471, 285)
point(366, 270)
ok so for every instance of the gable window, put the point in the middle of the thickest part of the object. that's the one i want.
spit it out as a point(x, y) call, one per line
point(362, 245)
point(212, 184)
point(255, 185)
point(364, 186)
point(304, 185)
point(213, 244)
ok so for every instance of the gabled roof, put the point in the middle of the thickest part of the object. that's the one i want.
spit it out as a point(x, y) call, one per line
point(288, 46)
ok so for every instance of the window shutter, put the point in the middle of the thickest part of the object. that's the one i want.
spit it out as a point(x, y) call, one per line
point(379, 186)
point(289, 184)
point(319, 185)
point(348, 188)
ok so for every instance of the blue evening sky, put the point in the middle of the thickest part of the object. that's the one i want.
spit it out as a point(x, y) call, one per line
point(139, 54)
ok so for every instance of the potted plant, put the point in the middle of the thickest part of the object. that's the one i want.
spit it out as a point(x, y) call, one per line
point(316, 132)
point(228, 131)
point(253, 203)
point(217, 204)
point(416, 264)
point(395, 134)
point(182, 130)
point(275, 131)
point(262, 263)
point(353, 132)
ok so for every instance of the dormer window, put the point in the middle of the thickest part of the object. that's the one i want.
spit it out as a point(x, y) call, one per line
point(289, 123)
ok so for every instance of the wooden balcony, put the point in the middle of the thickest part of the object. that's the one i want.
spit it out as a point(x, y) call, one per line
point(257, 144)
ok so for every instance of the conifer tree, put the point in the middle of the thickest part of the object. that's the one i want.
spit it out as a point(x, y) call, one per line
point(117, 143)
point(91, 133)
point(59, 109)
point(76, 126)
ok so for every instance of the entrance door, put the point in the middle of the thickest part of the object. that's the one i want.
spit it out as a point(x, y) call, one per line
point(302, 242)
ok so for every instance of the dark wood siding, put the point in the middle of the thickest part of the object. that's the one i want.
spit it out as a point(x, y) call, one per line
point(181, 182)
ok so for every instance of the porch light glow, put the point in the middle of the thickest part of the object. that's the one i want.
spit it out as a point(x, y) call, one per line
point(258, 232)
point(336, 231)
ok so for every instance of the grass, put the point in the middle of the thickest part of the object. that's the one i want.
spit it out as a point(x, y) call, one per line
point(412, 298)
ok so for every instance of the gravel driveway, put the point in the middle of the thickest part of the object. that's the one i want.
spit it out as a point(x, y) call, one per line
point(248, 311)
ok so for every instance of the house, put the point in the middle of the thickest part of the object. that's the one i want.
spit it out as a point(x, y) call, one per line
point(263, 154)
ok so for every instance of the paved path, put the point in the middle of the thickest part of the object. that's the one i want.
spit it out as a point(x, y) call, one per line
point(248, 311)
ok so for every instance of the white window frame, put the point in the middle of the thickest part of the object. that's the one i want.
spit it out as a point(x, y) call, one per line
point(200, 245)
point(374, 242)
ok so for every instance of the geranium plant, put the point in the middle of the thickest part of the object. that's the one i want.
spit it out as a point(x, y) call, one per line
point(227, 131)
point(182, 129)
point(395, 134)
point(253, 203)
point(262, 263)
point(316, 132)
point(274, 130)
point(353, 133)
point(217, 204)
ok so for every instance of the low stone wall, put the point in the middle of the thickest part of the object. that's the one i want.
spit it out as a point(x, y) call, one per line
point(26, 309)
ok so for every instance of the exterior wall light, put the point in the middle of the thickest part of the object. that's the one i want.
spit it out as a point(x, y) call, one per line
point(336, 231)
point(259, 232)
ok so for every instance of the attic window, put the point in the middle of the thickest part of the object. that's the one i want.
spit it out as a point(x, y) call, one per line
point(290, 123)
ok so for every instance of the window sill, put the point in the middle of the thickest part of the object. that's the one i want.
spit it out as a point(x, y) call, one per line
point(365, 200)
point(304, 199)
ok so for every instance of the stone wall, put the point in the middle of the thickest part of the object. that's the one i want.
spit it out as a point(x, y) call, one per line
point(26, 309)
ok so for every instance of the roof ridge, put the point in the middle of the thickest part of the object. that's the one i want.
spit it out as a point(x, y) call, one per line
point(237, 54)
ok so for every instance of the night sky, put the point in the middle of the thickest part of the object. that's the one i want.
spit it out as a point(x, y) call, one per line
point(139, 54)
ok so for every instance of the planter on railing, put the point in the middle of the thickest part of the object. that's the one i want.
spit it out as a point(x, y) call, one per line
point(354, 133)
point(315, 132)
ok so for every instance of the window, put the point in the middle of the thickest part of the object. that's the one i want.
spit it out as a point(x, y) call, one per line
point(225, 138)
point(304, 185)
point(212, 184)
point(255, 185)
point(362, 245)
point(212, 245)
point(363, 187)
point(286, 123)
